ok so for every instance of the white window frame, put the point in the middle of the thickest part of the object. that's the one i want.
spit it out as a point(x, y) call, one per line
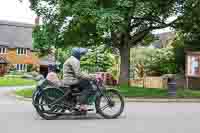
point(17, 52)
point(3, 50)
point(21, 67)
point(21, 51)
point(26, 51)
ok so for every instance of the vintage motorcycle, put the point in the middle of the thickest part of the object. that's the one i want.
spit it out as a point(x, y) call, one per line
point(51, 101)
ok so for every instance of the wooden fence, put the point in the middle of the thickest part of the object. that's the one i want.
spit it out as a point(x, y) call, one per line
point(150, 82)
point(147, 82)
point(137, 82)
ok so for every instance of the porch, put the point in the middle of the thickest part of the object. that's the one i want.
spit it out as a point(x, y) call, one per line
point(3, 66)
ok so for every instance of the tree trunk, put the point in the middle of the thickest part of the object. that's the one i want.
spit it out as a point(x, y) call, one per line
point(124, 65)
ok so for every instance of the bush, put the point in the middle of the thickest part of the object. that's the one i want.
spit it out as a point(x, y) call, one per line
point(30, 68)
point(139, 58)
point(154, 62)
point(161, 62)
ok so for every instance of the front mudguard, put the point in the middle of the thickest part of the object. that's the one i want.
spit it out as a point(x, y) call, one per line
point(104, 90)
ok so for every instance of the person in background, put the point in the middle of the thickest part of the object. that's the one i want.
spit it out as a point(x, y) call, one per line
point(52, 75)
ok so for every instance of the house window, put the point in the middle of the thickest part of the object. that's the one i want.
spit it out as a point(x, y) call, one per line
point(21, 67)
point(3, 50)
point(21, 51)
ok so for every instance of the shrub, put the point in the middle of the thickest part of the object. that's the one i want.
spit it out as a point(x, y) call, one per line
point(154, 62)
point(161, 62)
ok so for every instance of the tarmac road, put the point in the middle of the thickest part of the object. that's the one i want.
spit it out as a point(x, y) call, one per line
point(20, 117)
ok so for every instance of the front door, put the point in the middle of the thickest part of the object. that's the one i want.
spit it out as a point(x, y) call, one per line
point(44, 70)
point(2, 69)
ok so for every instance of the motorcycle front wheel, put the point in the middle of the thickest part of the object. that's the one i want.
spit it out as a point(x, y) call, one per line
point(110, 104)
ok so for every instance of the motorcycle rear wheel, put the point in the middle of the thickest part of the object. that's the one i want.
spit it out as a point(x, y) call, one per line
point(43, 104)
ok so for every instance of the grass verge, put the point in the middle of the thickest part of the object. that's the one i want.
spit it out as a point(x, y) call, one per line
point(139, 92)
point(27, 93)
point(6, 81)
point(135, 92)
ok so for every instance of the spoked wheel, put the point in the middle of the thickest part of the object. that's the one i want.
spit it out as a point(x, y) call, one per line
point(47, 103)
point(110, 105)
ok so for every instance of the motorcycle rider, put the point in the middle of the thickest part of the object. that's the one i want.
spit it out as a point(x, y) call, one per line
point(73, 76)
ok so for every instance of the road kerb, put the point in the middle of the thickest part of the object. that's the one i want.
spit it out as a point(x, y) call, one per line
point(161, 100)
point(12, 93)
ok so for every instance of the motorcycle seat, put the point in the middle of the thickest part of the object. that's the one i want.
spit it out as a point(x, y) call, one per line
point(72, 87)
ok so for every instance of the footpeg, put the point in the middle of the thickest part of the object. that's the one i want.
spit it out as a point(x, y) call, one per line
point(90, 110)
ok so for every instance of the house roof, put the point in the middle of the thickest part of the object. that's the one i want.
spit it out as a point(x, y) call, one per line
point(163, 39)
point(15, 34)
point(3, 60)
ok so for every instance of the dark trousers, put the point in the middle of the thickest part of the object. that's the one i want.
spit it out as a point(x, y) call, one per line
point(86, 90)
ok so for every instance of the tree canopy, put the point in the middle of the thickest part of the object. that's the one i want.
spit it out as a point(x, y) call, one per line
point(189, 26)
point(118, 23)
point(99, 59)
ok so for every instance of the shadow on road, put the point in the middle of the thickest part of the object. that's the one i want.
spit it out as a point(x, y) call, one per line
point(87, 117)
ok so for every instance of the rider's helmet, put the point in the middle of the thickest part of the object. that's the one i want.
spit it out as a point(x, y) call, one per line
point(79, 52)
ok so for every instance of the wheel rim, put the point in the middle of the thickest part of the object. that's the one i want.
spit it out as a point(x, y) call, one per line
point(45, 101)
point(111, 104)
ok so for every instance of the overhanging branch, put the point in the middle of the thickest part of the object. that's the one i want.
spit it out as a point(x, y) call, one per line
point(139, 36)
point(149, 19)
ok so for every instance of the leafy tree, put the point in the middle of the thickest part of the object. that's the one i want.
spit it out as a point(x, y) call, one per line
point(99, 59)
point(41, 40)
point(62, 55)
point(124, 23)
point(148, 39)
point(189, 26)
point(179, 52)
point(188, 35)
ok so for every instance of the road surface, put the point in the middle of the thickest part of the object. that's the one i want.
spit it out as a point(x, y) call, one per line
point(20, 117)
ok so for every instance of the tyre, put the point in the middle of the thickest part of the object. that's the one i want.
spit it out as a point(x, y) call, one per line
point(109, 100)
point(35, 93)
point(43, 103)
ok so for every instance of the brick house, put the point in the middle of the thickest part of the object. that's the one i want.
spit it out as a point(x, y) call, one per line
point(16, 48)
